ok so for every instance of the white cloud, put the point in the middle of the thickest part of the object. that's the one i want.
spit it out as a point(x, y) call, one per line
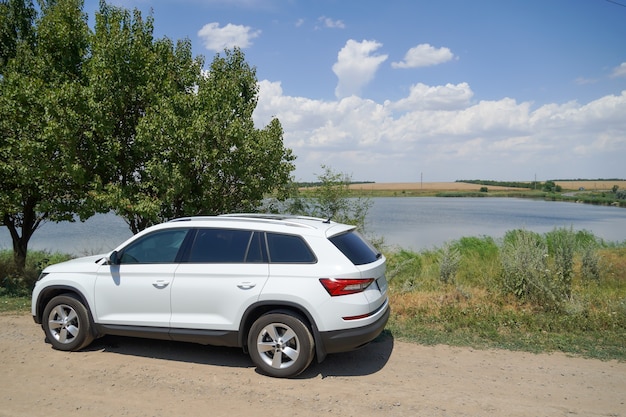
point(330, 23)
point(424, 97)
point(424, 55)
point(356, 66)
point(450, 138)
point(619, 71)
point(216, 38)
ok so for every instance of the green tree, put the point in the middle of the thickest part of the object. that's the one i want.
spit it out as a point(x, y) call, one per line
point(332, 199)
point(208, 157)
point(552, 187)
point(17, 19)
point(44, 153)
point(178, 141)
point(121, 73)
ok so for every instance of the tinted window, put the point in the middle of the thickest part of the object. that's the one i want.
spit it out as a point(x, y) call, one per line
point(220, 246)
point(356, 248)
point(289, 249)
point(155, 248)
point(256, 249)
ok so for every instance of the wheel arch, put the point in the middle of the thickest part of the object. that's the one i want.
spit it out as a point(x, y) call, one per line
point(52, 291)
point(257, 310)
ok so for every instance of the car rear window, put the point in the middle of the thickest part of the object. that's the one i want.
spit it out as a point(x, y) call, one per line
point(289, 249)
point(355, 247)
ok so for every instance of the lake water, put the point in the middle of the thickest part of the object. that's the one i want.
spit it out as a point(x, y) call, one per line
point(422, 222)
point(413, 223)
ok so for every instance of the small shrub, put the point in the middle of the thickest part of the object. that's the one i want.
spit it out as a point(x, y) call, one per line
point(525, 272)
point(562, 246)
point(590, 264)
point(449, 260)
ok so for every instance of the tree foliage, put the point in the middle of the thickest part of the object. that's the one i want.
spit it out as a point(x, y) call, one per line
point(114, 119)
point(331, 199)
point(44, 163)
point(217, 160)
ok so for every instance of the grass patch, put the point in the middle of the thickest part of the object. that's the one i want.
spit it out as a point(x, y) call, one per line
point(478, 309)
point(16, 305)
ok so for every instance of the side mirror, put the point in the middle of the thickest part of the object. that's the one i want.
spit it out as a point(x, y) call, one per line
point(113, 259)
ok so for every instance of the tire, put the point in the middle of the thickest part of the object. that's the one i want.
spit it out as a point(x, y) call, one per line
point(280, 344)
point(66, 323)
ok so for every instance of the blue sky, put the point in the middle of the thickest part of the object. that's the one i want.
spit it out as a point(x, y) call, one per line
point(398, 90)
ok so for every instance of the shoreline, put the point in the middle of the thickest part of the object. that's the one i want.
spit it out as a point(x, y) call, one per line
point(600, 185)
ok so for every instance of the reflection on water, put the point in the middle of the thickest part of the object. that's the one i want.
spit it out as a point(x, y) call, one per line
point(410, 222)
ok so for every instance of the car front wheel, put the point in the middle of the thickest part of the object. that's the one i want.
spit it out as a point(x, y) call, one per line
point(280, 344)
point(66, 323)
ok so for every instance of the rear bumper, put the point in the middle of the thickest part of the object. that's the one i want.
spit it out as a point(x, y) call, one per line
point(351, 339)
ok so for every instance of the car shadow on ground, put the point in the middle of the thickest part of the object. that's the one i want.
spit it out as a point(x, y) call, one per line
point(364, 361)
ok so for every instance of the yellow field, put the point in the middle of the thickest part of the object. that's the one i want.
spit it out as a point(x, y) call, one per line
point(591, 185)
point(462, 186)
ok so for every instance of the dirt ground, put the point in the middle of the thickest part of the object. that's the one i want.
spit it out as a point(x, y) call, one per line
point(135, 377)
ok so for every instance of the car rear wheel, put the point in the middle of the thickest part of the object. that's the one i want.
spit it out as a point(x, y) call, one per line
point(66, 323)
point(280, 344)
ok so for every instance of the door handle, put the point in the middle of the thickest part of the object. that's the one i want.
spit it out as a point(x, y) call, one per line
point(246, 285)
point(160, 284)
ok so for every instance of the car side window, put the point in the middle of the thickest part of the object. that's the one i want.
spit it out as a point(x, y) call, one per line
point(155, 248)
point(220, 246)
point(289, 249)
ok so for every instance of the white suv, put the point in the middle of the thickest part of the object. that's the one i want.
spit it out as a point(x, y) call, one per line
point(283, 288)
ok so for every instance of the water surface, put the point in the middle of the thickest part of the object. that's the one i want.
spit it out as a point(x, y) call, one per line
point(410, 222)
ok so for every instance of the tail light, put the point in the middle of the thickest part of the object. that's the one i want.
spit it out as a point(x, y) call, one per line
point(341, 286)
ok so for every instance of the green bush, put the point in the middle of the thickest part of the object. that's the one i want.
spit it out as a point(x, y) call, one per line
point(562, 246)
point(404, 269)
point(484, 247)
point(525, 273)
point(590, 263)
point(449, 260)
point(14, 282)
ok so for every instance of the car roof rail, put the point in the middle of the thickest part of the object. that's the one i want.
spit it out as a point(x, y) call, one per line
point(271, 216)
point(286, 219)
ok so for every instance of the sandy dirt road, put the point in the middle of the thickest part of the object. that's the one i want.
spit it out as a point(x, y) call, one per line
point(134, 377)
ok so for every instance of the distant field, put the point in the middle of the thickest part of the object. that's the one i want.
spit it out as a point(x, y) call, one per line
point(591, 185)
point(462, 186)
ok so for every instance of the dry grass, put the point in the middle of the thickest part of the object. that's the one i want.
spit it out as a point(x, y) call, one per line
point(591, 185)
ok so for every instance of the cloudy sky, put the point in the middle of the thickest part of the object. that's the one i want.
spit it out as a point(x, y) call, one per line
point(403, 90)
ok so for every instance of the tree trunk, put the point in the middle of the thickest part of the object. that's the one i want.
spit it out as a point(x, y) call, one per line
point(28, 222)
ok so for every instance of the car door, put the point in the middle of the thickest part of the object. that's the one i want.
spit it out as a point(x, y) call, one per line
point(136, 290)
point(223, 274)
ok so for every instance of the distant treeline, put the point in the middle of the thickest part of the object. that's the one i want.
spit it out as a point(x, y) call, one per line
point(532, 185)
point(511, 184)
point(319, 183)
